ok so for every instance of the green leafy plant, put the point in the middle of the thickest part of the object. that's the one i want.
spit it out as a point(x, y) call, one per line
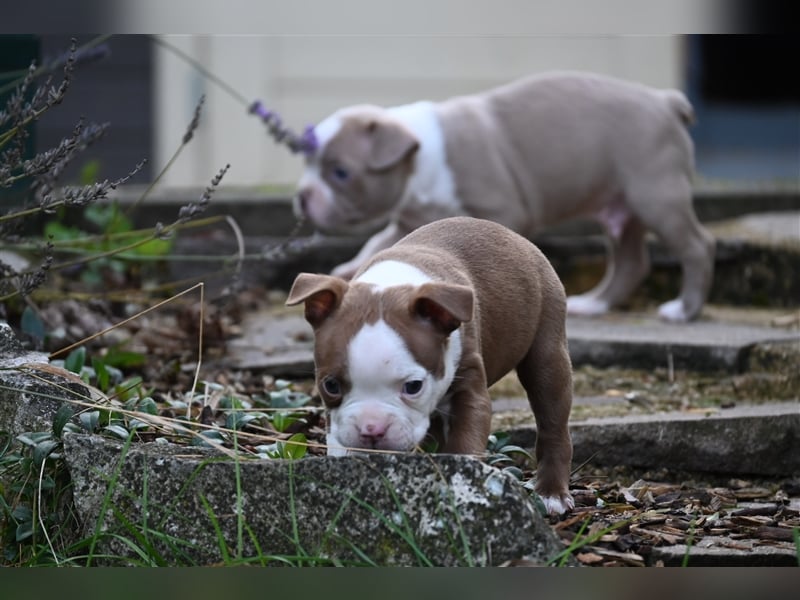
point(115, 239)
point(509, 457)
point(293, 448)
point(34, 495)
point(129, 394)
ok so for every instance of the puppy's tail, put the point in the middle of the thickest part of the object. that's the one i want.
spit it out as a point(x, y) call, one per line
point(680, 105)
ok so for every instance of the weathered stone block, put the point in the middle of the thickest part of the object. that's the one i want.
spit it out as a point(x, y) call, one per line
point(757, 440)
point(29, 397)
point(442, 510)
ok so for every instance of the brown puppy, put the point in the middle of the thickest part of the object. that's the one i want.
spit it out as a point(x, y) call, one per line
point(409, 347)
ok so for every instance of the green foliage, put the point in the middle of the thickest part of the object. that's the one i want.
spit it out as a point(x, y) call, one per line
point(113, 236)
point(294, 448)
point(32, 324)
point(285, 396)
point(76, 360)
point(90, 172)
point(33, 494)
point(507, 456)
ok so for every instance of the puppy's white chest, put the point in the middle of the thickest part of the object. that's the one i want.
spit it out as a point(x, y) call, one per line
point(432, 183)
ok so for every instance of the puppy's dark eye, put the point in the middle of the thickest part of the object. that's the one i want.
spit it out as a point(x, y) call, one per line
point(332, 386)
point(340, 173)
point(413, 387)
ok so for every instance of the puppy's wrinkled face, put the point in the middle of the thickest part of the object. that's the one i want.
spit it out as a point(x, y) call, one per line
point(386, 349)
point(386, 395)
point(381, 371)
point(359, 172)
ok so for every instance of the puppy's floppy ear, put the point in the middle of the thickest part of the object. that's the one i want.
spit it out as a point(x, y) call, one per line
point(321, 293)
point(391, 143)
point(445, 305)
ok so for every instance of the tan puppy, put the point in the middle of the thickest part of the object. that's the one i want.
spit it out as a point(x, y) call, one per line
point(408, 348)
point(528, 155)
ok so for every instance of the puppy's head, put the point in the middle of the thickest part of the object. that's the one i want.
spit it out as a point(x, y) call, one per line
point(384, 357)
point(359, 171)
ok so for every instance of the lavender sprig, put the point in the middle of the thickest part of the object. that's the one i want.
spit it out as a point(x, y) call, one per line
point(44, 98)
point(82, 56)
point(53, 161)
point(195, 122)
point(86, 194)
point(13, 282)
point(191, 210)
point(306, 142)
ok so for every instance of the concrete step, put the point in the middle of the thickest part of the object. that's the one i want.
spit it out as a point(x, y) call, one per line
point(279, 341)
point(645, 342)
point(752, 440)
point(758, 253)
point(268, 212)
point(757, 259)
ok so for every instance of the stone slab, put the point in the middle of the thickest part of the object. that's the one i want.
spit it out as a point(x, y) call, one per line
point(745, 554)
point(763, 228)
point(30, 396)
point(752, 243)
point(269, 212)
point(755, 440)
point(410, 510)
point(279, 344)
point(643, 341)
point(282, 343)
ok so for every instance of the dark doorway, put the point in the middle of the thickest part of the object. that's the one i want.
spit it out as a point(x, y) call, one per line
point(116, 89)
point(746, 94)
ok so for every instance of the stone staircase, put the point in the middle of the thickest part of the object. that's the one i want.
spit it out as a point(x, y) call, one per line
point(757, 227)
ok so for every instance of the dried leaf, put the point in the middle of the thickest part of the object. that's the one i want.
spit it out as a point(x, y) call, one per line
point(589, 558)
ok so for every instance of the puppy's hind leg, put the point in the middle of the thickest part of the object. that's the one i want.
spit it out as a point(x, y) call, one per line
point(683, 235)
point(628, 263)
point(546, 375)
point(696, 252)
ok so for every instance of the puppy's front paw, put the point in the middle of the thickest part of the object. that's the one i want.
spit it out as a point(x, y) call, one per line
point(558, 505)
point(673, 311)
point(586, 306)
point(335, 448)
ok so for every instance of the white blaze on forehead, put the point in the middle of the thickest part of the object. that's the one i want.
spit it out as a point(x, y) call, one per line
point(388, 273)
point(379, 358)
point(330, 126)
point(326, 129)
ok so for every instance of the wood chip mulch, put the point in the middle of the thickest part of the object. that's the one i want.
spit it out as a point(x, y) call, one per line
point(671, 524)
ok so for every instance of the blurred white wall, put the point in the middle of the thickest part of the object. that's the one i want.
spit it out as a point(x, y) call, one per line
point(304, 78)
